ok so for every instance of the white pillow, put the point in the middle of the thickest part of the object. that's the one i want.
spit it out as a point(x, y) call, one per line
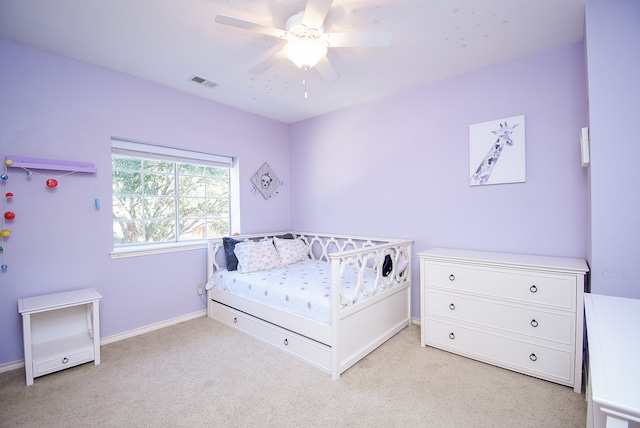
point(291, 250)
point(255, 256)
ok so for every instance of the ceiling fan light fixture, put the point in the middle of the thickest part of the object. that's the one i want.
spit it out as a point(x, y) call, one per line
point(305, 52)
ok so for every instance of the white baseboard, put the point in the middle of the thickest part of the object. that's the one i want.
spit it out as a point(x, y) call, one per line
point(415, 321)
point(6, 367)
point(121, 336)
point(151, 327)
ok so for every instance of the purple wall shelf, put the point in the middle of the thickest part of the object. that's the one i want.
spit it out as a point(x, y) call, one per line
point(49, 164)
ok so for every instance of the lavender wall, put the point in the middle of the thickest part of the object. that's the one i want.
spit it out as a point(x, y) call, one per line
point(400, 166)
point(393, 167)
point(55, 108)
point(612, 41)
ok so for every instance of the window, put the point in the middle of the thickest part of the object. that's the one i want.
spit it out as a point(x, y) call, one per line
point(165, 195)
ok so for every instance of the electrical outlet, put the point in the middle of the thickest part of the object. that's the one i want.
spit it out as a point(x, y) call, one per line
point(199, 289)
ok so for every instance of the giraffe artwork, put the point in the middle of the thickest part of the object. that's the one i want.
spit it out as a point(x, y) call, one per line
point(505, 139)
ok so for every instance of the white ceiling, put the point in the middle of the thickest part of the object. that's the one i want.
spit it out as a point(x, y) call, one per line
point(170, 41)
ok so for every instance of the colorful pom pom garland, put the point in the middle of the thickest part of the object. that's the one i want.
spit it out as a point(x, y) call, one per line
point(51, 183)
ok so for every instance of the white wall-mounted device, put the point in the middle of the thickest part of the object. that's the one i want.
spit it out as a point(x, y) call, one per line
point(584, 147)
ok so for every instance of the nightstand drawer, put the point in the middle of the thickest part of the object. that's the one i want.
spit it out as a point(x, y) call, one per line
point(43, 367)
point(539, 289)
point(542, 361)
point(532, 322)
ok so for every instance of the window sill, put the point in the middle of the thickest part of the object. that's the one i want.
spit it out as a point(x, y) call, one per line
point(148, 250)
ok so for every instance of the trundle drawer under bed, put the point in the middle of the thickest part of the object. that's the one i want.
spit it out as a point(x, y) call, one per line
point(299, 346)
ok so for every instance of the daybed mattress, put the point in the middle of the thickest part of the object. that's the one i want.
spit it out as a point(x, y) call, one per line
point(302, 288)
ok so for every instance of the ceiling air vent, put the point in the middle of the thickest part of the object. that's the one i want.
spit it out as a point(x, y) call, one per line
point(202, 81)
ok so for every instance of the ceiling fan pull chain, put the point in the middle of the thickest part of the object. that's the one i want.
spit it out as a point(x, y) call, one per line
point(304, 81)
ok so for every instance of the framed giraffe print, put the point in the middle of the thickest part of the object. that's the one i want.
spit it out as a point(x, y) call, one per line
point(497, 152)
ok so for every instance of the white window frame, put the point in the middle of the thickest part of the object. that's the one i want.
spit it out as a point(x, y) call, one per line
point(151, 151)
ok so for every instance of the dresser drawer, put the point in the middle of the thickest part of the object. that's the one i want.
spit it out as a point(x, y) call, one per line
point(306, 349)
point(536, 360)
point(542, 288)
point(529, 321)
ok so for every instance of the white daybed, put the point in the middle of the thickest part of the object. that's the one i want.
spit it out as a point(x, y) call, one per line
point(361, 317)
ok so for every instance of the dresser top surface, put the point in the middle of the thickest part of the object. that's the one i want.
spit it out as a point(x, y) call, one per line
point(505, 259)
point(612, 334)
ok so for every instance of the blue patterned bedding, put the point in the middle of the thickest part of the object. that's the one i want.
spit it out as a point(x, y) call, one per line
point(302, 288)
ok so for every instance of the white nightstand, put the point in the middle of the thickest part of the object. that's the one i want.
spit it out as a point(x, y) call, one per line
point(60, 330)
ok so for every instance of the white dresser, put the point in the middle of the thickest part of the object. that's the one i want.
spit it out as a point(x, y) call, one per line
point(520, 312)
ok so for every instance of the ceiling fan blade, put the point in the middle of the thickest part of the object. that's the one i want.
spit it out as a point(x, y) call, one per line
point(315, 13)
point(364, 39)
point(326, 70)
point(267, 63)
point(248, 25)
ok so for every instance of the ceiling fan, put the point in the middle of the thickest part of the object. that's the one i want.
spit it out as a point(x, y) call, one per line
point(306, 42)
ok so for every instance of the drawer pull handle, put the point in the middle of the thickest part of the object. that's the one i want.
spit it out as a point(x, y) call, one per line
point(452, 306)
point(65, 360)
point(533, 357)
point(534, 323)
point(235, 320)
point(452, 277)
point(286, 342)
point(452, 336)
point(533, 289)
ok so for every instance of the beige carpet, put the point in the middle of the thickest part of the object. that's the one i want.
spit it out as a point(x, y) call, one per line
point(203, 374)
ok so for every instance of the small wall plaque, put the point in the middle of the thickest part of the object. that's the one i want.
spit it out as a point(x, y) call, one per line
point(265, 181)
